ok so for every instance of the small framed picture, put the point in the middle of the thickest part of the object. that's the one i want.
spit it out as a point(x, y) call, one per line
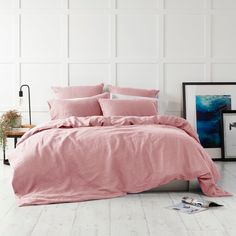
point(203, 103)
point(228, 125)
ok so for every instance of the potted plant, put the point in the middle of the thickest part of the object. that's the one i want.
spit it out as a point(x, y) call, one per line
point(10, 119)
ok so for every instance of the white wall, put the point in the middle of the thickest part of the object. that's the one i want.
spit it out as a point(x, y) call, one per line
point(140, 43)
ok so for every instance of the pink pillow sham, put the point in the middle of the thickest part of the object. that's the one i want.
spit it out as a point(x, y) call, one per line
point(64, 108)
point(134, 91)
point(127, 107)
point(77, 91)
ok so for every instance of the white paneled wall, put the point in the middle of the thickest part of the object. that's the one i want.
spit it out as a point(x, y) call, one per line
point(138, 43)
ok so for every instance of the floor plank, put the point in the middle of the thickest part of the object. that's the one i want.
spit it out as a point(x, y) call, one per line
point(92, 218)
point(20, 220)
point(158, 217)
point(127, 217)
point(55, 219)
point(208, 233)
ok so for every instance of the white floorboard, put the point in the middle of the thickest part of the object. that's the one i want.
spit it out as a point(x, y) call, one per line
point(92, 218)
point(133, 215)
point(127, 217)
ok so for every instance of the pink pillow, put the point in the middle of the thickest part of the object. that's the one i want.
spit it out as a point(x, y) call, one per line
point(77, 91)
point(63, 108)
point(133, 91)
point(127, 107)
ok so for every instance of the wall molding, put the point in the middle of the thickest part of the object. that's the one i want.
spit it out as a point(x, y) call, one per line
point(157, 16)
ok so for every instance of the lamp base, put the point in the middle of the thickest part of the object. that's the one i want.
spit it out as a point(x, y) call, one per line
point(6, 162)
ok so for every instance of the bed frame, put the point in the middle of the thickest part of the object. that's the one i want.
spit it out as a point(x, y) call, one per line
point(177, 186)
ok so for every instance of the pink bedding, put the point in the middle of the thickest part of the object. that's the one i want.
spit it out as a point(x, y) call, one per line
point(152, 93)
point(128, 107)
point(78, 159)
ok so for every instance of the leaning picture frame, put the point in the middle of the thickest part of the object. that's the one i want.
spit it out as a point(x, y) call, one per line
point(203, 103)
point(228, 131)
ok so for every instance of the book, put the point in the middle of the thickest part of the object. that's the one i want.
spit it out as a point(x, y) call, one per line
point(192, 205)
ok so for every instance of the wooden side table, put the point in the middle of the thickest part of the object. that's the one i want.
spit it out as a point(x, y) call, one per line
point(15, 133)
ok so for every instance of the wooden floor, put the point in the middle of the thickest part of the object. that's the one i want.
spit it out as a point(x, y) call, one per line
point(133, 215)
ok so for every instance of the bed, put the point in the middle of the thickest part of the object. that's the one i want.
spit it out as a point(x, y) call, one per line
point(96, 157)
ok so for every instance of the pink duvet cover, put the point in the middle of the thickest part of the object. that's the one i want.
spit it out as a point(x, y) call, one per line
point(78, 159)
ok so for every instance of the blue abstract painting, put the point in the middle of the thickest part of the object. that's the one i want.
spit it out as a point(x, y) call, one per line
point(208, 110)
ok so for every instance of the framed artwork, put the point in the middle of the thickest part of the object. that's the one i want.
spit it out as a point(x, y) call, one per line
point(228, 125)
point(203, 103)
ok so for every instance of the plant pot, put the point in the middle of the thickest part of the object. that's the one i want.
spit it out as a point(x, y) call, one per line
point(16, 123)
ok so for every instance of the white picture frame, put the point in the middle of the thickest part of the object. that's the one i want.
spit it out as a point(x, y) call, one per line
point(228, 126)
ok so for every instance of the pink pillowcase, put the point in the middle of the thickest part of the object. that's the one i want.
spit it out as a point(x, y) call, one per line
point(127, 107)
point(133, 91)
point(64, 108)
point(77, 91)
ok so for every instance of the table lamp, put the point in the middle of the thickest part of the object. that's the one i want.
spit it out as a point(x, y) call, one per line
point(21, 95)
